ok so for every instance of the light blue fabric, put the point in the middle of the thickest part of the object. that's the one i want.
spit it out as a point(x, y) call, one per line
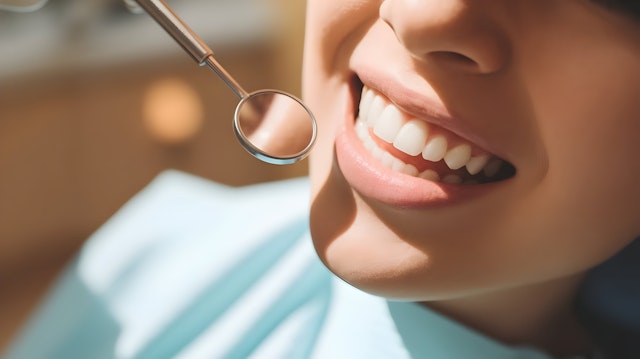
point(193, 269)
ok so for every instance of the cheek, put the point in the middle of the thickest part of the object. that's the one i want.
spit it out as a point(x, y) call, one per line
point(594, 130)
point(330, 25)
point(589, 120)
point(583, 77)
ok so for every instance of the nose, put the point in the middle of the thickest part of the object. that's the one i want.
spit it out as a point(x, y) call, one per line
point(458, 34)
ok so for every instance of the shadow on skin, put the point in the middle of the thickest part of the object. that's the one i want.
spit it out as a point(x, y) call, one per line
point(330, 224)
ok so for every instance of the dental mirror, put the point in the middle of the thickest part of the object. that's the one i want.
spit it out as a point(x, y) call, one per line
point(272, 125)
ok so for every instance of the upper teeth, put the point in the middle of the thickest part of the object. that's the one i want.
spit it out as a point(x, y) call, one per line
point(415, 137)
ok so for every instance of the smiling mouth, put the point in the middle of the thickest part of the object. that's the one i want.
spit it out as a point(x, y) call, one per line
point(414, 147)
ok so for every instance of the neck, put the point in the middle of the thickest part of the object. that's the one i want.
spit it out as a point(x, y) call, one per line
point(539, 315)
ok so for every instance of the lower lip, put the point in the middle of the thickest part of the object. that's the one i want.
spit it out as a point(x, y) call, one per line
point(372, 180)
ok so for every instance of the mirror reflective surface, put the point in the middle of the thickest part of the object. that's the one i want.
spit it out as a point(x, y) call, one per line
point(272, 125)
point(275, 126)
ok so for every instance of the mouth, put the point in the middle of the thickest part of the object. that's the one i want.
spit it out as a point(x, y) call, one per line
point(411, 161)
point(417, 148)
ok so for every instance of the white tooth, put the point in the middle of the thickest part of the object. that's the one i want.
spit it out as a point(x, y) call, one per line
point(389, 124)
point(452, 179)
point(369, 144)
point(387, 159)
point(397, 165)
point(492, 168)
point(435, 149)
point(377, 153)
point(361, 129)
point(410, 170)
point(365, 102)
point(477, 163)
point(362, 136)
point(375, 110)
point(458, 156)
point(430, 175)
point(412, 137)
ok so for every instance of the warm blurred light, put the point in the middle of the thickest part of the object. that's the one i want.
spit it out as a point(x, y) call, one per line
point(172, 111)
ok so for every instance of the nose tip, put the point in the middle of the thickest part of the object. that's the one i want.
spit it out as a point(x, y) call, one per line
point(455, 33)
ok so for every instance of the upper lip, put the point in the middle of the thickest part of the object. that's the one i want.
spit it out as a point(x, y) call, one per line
point(416, 101)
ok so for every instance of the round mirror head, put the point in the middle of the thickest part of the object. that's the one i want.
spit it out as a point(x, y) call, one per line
point(275, 127)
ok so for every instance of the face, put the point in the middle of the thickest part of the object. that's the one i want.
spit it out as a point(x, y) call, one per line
point(471, 146)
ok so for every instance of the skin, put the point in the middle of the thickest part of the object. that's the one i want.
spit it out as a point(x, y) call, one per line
point(549, 85)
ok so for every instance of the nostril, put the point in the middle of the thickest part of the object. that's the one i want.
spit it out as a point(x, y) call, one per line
point(454, 56)
point(448, 34)
point(454, 59)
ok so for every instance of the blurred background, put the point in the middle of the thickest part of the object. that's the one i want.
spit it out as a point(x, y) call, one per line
point(95, 101)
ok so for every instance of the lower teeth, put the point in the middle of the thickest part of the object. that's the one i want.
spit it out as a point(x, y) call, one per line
point(398, 165)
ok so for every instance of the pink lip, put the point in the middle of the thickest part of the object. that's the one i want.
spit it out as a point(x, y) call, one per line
point(372, 180)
